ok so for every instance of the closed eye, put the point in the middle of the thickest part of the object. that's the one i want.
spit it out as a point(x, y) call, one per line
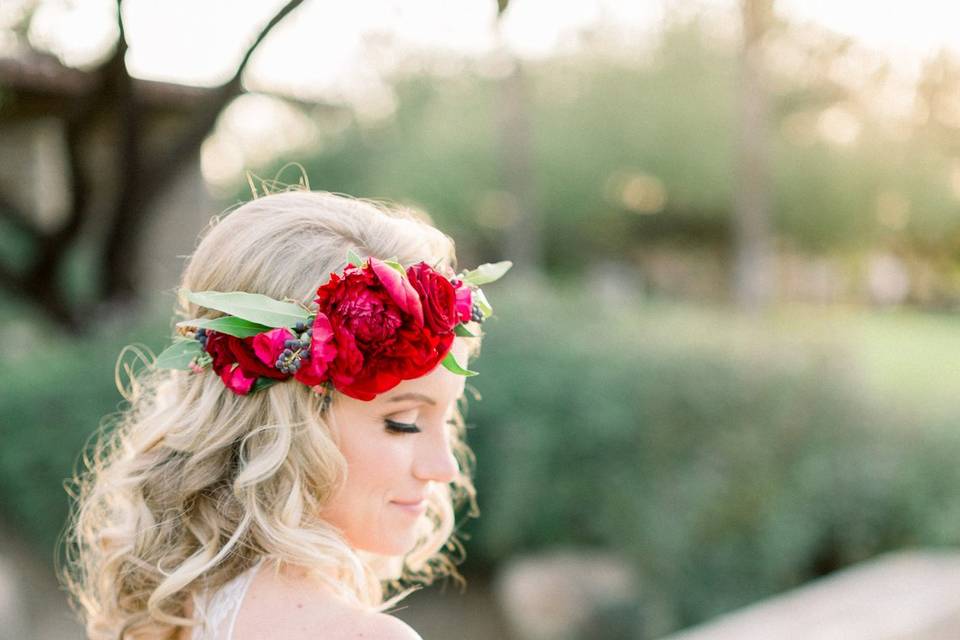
point(400, 427)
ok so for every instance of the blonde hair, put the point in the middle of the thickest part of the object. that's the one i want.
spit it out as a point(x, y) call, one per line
point(189, 485)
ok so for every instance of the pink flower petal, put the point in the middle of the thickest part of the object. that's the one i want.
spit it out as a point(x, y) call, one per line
point(269, 345)
point(235, 380)
point(399, 289)
point(323, 350)
point(464, 301)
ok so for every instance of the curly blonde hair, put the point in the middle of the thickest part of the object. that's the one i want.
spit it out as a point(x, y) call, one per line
point(189, 485)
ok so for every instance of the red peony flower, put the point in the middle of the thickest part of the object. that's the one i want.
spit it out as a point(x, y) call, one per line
point(399, 289)
point(378, 321)
point(348, 363)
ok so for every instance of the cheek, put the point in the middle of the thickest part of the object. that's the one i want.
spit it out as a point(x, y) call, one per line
point(377, 471)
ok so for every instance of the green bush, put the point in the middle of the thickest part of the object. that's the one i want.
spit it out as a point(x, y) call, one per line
point(53, 399)
point(723, 474)
point(727, 459)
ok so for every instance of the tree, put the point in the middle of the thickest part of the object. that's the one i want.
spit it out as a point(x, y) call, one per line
point(523, 240)
point(754, 261)
point(114, 99)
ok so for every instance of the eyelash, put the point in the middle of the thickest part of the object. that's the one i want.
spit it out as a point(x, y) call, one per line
point(401, 427)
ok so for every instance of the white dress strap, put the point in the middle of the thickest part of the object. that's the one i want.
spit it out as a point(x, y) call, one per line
point(218, 611)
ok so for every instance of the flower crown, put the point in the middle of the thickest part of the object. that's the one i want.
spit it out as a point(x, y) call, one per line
point(375, 326)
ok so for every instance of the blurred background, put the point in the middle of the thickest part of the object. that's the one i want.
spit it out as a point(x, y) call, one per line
point(721, 385)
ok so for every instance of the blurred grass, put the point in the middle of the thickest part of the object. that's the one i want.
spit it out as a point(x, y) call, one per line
point(899, 354)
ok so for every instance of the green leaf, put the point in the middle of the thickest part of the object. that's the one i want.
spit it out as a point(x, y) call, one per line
point(462, 331)
point(481, 301)
point(487, 272)
point(254, 307)
point(354, 259)
point(262, 383)
point(179, 355)
point(396, 265)
point(451, 364)
point(230, 325)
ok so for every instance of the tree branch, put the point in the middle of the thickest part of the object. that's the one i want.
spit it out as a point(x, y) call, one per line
point(143, 181)
point(166, 167)
point(267, 28)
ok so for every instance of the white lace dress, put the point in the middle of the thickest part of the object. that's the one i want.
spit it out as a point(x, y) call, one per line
point(218, 610)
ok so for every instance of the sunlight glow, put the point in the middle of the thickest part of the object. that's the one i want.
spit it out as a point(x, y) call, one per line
point(337, 47)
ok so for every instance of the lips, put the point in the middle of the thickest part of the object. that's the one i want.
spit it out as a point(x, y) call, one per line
point(414, 508)
point(410, 503)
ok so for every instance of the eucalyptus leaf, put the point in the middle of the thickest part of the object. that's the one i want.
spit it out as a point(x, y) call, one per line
point(451, 364)
point(179, 355)
point(462, 331)
point(396, 265)
point(354, 259)
point(253, 307)
point(230, 325)
point(262, 383)
point(487, 272)
point(480, 300)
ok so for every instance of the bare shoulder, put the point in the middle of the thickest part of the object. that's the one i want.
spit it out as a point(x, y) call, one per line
point(382, 625)
point(282, 607)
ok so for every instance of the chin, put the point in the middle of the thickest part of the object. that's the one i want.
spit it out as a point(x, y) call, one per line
point(394, 543)
point(398, 546)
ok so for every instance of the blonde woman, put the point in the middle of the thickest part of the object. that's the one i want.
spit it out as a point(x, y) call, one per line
point(291, 466)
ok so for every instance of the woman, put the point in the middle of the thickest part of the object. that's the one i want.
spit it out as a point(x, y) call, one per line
point(291, 466)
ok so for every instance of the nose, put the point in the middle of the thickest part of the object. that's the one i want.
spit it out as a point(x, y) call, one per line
point(435, 460)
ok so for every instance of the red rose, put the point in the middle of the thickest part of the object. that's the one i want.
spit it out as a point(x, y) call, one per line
point(438, 296)
point(270, 344)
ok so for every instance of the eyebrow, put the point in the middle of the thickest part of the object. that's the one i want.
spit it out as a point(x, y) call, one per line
point(412, 396)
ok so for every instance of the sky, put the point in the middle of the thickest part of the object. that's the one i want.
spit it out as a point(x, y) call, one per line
point(338, 51)
point(327, 44)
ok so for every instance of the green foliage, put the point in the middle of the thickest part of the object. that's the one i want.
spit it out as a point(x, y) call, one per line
point(668, 117)
point(53, 399)
point(179, 355)
point(254, 307)
point(726, 458)
point(486, 273)
point(724, 473)
point(230, 325)
point(449, 363)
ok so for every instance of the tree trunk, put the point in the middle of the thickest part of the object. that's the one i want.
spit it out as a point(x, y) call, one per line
point(754, 269)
